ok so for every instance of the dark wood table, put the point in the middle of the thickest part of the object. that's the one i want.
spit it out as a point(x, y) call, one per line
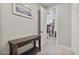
point(17, 43)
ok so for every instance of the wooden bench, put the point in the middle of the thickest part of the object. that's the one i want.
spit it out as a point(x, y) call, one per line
point(17, 43)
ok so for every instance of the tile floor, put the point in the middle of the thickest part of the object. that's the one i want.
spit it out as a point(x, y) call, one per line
point(51, 49)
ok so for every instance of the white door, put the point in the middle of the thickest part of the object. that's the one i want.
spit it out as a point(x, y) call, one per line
point(43, 28)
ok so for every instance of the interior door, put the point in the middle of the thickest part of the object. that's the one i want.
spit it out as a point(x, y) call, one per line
point(43, 24)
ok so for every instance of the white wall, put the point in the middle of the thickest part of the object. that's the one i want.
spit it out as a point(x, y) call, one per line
point(0, 28)
point(13, 26)
point(64, 25)
point(75, 28)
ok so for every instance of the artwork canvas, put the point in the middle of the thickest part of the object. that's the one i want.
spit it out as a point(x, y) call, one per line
point(22, 10)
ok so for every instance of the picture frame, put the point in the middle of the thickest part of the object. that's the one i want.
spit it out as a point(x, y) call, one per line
point(22, 10)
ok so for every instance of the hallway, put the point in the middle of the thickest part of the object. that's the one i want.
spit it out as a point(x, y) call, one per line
point(51, 49)
point(35, 19)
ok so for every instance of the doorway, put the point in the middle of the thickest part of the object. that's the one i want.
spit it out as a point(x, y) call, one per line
point(48, 24)
point(51, 22)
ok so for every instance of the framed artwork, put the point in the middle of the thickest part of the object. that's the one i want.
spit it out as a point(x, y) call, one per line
point(22, 10)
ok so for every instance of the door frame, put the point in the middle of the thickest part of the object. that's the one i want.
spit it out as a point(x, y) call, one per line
point(39, 22)
point(57, 25)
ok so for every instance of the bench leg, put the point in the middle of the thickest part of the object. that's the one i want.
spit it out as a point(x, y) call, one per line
point(34, 43)
point(39, 44)
point(13, 50)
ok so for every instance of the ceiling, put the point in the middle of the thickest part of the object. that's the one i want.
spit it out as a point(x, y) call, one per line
point(47, 5)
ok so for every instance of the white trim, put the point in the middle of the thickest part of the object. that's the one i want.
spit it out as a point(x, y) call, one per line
point(57, 25)
point(65, 47)
point(68, 48)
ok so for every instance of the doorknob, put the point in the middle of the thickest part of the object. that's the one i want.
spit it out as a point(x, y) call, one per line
point(41, 31)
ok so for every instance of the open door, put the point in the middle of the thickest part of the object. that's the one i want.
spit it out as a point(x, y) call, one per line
point(43, 26)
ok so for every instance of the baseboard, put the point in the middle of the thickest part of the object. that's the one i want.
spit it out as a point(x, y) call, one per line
point(65, 47)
